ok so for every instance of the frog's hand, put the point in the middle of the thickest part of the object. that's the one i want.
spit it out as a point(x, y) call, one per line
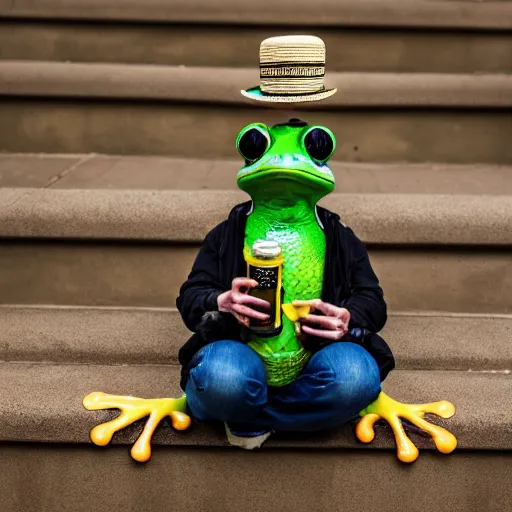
point(133, 409)
point(388, 409)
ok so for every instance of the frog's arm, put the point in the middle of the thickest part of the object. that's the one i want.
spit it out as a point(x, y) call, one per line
point(390, 410)
point(133, 409)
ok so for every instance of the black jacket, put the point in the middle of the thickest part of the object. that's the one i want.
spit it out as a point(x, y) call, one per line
point(349, 282)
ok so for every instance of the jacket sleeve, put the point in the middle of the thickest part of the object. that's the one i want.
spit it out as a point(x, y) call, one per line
point(198, 295)
point(366, 303)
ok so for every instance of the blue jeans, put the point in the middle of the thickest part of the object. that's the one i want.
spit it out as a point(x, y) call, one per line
point(227, 383)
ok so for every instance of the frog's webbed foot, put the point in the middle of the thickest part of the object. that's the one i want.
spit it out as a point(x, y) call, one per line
point(390, 410)
point(133, 409)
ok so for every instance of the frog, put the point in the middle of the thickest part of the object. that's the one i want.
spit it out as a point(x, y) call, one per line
point(286, 173)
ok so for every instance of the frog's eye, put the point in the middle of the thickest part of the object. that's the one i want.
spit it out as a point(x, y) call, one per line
point(319, 143)
point(253, 142)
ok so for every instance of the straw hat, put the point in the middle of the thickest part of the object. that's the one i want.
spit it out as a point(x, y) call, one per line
point(292, 70)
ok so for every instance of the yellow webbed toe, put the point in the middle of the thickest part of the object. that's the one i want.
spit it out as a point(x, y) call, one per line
point(365, 431)
point(132, 410)
point(391, 411)
point(180, 420)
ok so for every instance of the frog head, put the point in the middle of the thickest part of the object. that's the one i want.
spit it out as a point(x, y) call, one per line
point(288, 159)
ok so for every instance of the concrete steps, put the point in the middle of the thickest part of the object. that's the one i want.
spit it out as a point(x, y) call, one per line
point(41, 416)
point(96, 172)
point(129, 109)
point(465, 280)
point(84, 479)
point(36, 402)
point(167, 215)
point(112, 98)
point(124, 336)
point(74, 246)
point(94, 244)
point(223, 85)
point(364, 49)
point(457, 14)
point(32, 125)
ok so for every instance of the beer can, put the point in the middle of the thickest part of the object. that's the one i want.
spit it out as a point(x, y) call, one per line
point(265, 265)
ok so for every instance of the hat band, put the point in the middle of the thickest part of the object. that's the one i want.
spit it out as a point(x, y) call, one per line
point(292, 70)
point(288, 79)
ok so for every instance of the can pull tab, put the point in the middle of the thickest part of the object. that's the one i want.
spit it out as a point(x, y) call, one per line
point(266, 249)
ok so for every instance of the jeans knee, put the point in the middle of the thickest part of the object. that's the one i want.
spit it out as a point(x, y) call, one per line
point(227, 382)
point(354, 372)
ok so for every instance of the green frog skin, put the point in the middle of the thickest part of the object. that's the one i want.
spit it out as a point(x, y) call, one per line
point(285, 184)
point(286, 174)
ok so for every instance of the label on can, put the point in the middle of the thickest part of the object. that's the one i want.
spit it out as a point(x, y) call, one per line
point(264, 265)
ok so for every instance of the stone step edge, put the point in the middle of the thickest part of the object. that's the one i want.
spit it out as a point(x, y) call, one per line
point(132, 335)
point(43, 403)
point(223, 85)
point(388, 219)
point(100, 171)
point(392, 13)
point(237, 161)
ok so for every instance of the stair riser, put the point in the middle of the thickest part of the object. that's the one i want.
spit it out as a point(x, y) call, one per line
point(445, 280)
point(209, 131)
point(232, 46)
point(39, 477)
point(154, 336)
point(493, 15)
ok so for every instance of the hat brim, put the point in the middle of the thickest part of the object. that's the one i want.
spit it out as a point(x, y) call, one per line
point(254, 93)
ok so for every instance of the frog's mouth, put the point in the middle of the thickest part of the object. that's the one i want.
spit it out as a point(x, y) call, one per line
point(288, 173)
point(301, 174)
